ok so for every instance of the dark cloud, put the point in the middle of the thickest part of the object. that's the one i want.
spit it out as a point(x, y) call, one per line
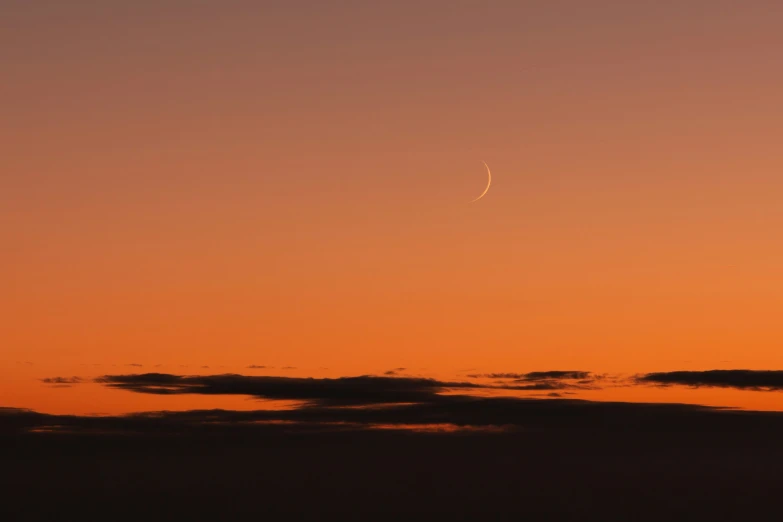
point(760, 380)
point(256, 367)
point(360, 403)
point(368, 402)
point(343, 390)
point(550, 380)
point(538, 386)
point(389, 388)
point(534, 376)
point(62, 380)
point(137, 365)
point(496, 375)
point(557, 374)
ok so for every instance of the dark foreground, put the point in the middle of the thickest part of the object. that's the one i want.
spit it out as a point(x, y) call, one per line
point(393, 476)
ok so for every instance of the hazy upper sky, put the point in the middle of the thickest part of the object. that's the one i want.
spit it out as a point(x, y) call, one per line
point(227, 183)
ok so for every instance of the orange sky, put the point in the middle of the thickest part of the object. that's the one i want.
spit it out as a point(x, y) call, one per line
point(288, 184)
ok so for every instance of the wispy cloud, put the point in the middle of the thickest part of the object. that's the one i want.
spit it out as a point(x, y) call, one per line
point(548, 380)
point(62, 380)
point(394, 371)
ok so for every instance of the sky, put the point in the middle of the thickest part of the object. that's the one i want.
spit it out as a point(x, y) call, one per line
point(199, 187)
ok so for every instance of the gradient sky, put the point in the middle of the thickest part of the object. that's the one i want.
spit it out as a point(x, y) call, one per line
point(288, 183)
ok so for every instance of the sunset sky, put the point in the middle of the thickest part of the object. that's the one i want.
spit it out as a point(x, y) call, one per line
point(194, 188)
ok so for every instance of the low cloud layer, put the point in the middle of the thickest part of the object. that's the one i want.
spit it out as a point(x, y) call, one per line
point(368, 402)
point(476, 414)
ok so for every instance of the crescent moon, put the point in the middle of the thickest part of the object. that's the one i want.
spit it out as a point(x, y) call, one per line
point(489, 182)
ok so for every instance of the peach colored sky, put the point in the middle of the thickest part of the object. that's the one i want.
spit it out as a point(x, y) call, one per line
point(287, 183)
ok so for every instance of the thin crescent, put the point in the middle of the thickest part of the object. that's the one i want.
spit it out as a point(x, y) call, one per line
point(489, 182)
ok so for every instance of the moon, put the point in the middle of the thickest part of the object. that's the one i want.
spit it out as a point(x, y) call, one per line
point(489, 182)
